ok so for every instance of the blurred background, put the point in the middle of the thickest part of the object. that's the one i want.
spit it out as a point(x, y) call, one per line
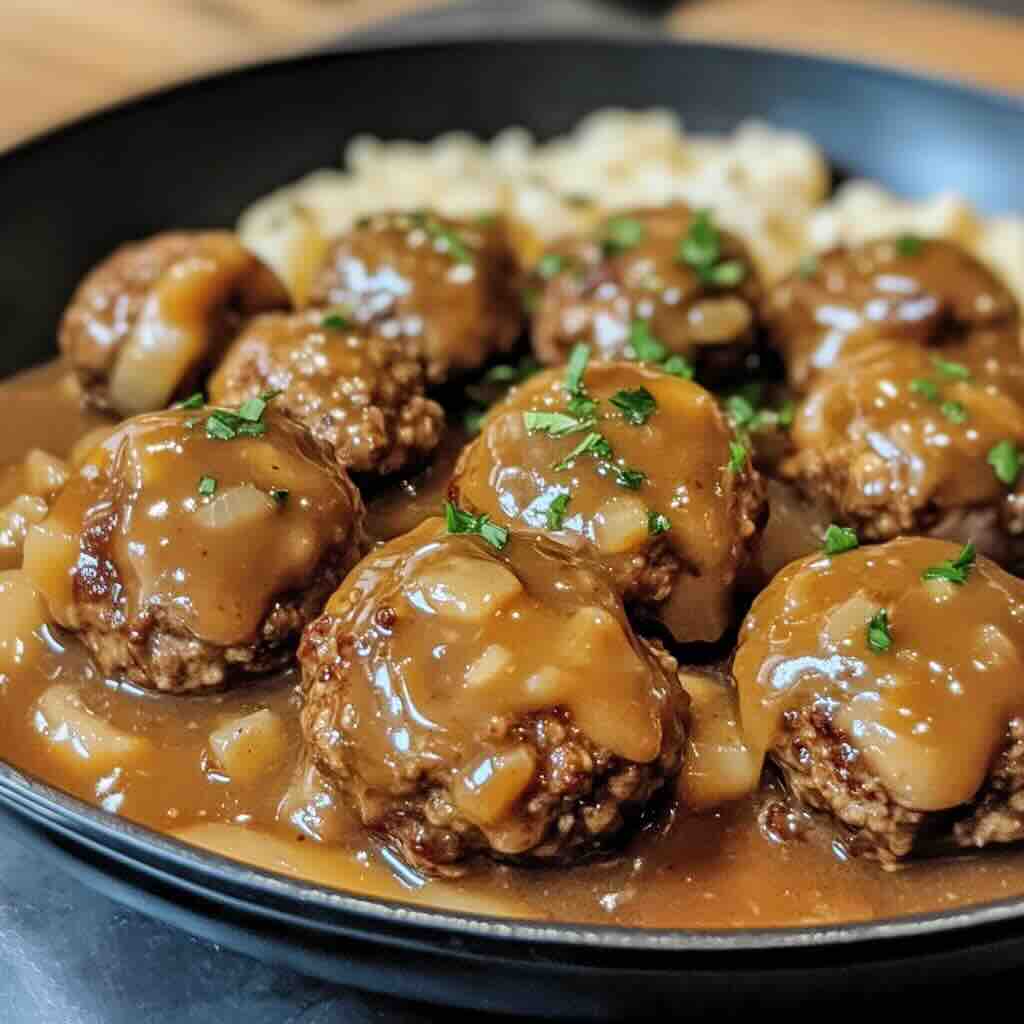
point(59, 58)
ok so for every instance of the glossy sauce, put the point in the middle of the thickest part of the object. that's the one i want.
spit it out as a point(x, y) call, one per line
point(514, 474)
point(715, 870)
point(952, 679)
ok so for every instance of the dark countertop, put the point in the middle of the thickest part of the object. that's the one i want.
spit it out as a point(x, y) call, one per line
point(71, 956)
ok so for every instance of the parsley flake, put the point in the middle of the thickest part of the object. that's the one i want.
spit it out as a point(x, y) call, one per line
point(1005, 460)
point(645, 346)
point(926, 388)
point(701, 249)
point(909, 245)
point(556, 511)
point(657, 523)
point(335, 321)
point(839, 539)
point(620, 234)
point(554, 424)
point(196, 401)
point(446, 239)
point(626, 476)
point(279, 495)
point(955, 412)
point(954, 371)
point(593, 444)
point(637, 406)
point(737, 456)
point(953, 570)
point(577, 366)
point(458, 521)
point(879, 636)
point(678, 366)
point(207, 486)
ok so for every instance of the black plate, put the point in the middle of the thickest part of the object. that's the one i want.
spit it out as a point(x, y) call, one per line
point(195, 156)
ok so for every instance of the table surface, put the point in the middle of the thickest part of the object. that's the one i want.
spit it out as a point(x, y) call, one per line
point(67, 955)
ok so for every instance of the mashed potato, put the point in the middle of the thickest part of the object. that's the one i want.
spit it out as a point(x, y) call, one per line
point(769, 186)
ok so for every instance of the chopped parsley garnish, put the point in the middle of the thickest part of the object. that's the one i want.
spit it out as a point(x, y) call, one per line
point(335, 321)
point(593, 444)
point(1005, 460)
point(637, 406)
point(626, 476)
point(927, 389)
point(620, 234)
point(955, 412)
point(473, 419)
point(225, 425)
point(556, 511)
point(645, 346)
point(741, 409)
point(701, 249)
point(486, 219)
point(550, 265)
point(554, 424)
point(503, 373)
point(657, 523)
point(577, 366)
point(196, 401)
point(808, 265)
point(954, 570)
point(839, 539)
point(596, 444)
point(279, 495)
point(492, 386)
point(879, 637)
point(207, 486)
point(252, 409)
point(909, 245)
point(458, 521)
point(954, 371)
point(737, 456)
point(451, 241)
point(678, 366)
point(725, 275)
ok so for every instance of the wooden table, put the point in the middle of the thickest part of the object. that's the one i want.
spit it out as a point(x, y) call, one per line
point(61, 57)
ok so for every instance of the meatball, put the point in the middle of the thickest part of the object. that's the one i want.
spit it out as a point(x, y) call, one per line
point(360, 394)
point(430, 705)
point(446, 288)
point(903, 442)
point(667, 273)
point(637, 463)
point(143, 324)
point(906, 289)
point(193, 545)
point(887, 684)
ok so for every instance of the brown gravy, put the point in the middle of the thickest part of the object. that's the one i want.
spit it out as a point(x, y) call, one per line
point(713, 870)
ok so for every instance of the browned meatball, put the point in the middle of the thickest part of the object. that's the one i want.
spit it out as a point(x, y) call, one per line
point(901, 443)
point(192, 546)
point(651, 476)
point(887, 683)
point(446, 288)
point(361, 394)
point(430, 703)
point(907, 289)
point(143, 324)
point(667, 272)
